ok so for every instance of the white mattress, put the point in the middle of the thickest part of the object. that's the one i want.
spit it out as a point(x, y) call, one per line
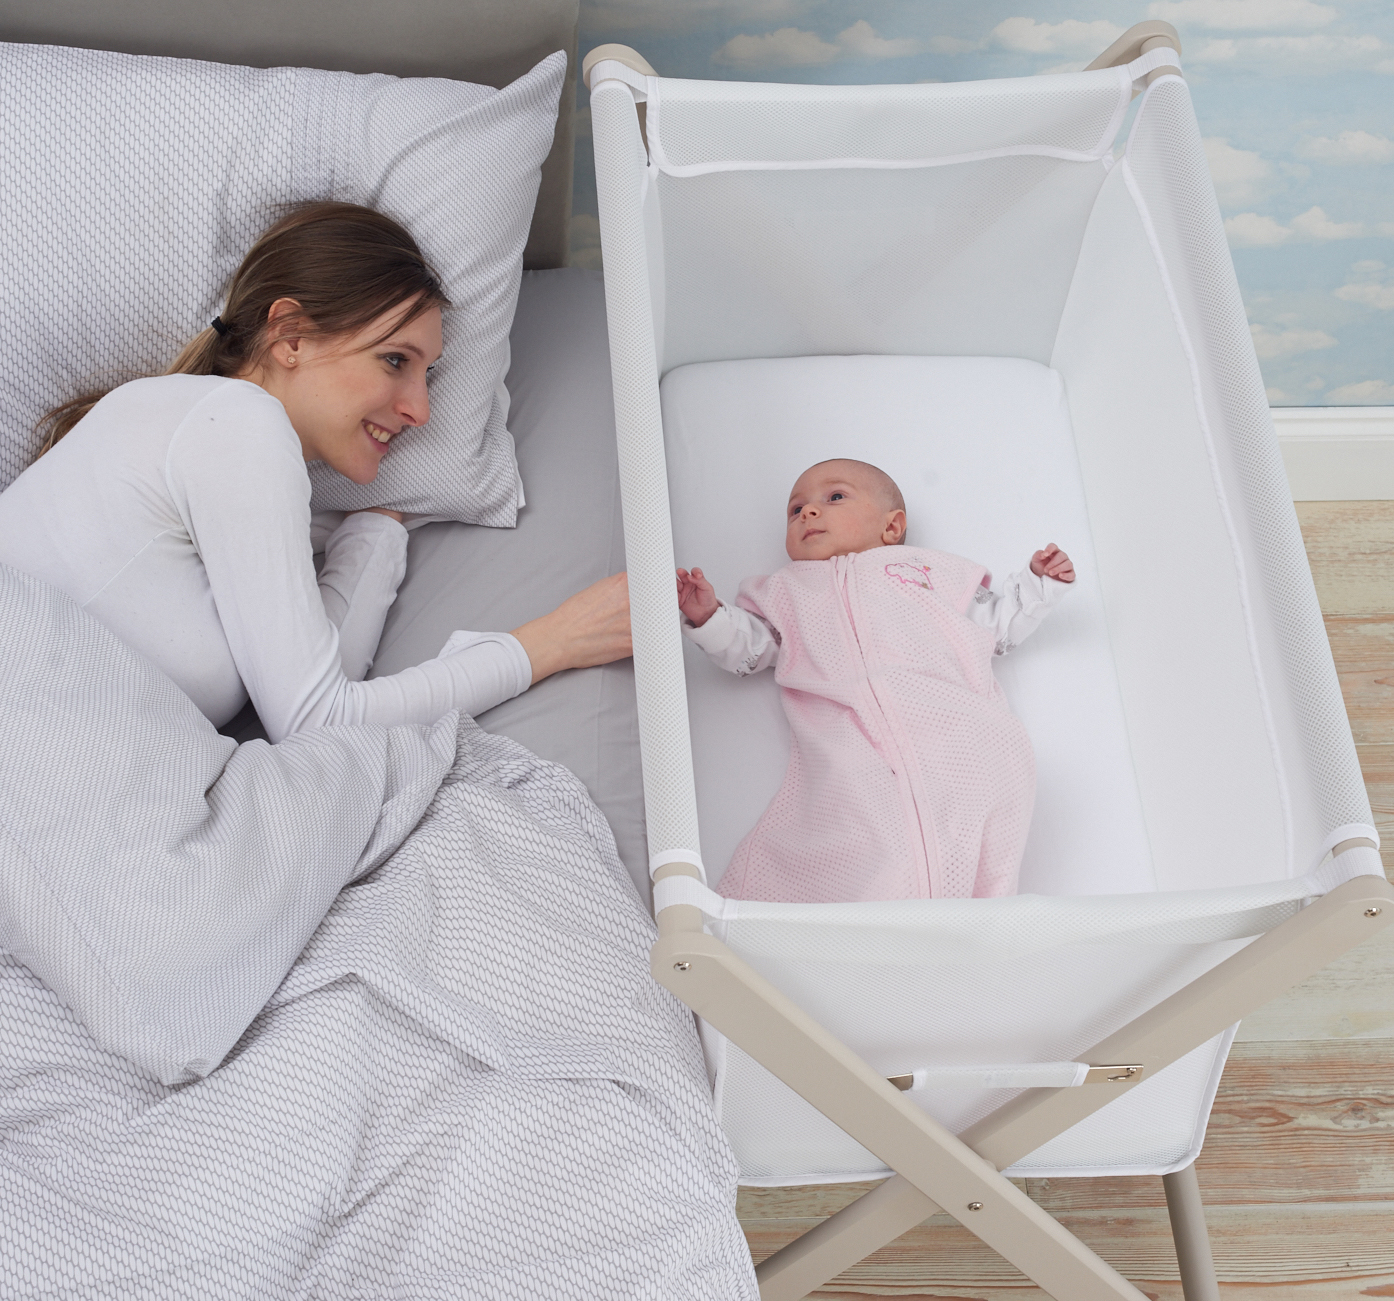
point(983, 451)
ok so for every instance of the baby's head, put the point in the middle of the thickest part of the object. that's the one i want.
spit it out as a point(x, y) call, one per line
point(838, 507)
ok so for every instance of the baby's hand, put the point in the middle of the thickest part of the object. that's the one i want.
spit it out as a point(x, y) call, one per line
point(1053, 563)
point(696, 597)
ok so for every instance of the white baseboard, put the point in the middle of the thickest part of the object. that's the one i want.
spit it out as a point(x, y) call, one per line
point(1337, 453)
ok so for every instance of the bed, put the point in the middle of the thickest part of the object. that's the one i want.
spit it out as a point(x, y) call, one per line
point(467, 1084)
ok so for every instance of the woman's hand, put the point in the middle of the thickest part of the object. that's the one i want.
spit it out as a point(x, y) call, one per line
point(589, 628)
point(696, 597)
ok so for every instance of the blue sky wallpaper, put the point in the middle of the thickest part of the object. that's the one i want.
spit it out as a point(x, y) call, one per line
point(1295, 100)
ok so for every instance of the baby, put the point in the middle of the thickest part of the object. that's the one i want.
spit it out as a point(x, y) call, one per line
point(909, 777)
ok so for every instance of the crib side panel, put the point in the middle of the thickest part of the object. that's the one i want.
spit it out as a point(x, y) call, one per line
point(1166, 167)
point(926, 220)
point(1210, 789)
point(967, 259)
point(1243, 751)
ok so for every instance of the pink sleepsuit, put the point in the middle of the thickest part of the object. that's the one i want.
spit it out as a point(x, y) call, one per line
point(909, 777)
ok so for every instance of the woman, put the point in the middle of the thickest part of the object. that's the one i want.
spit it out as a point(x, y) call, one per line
point(176, 509)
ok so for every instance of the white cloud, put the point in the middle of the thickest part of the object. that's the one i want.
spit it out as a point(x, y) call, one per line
point(1072, 36)
point(1315, 224)
point(1372, 392)
point(1250, 230)
point(951, 45)
point(861, 40)
point(1276, 397)
point(1255, 230)
point(1240, 175)
point(1219, 51)
point(1243, 15)
point(1270, 344)
point(791, 47)
point(787, 47)
point(1317, 53)
point(1371, 286)
point(1348, 147)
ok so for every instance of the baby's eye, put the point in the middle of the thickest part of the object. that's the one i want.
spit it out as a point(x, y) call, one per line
point(836, 496)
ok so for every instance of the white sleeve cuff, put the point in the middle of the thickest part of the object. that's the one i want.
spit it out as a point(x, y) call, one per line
point(718, 634)
point(507, 673)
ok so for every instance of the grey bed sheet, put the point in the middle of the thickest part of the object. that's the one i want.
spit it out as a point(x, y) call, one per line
point(569, 535)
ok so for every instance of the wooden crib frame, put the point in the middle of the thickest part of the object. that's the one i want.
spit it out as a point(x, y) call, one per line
point(958, 1174)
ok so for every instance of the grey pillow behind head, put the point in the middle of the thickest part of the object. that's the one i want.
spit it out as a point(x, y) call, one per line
point(160, 879)
point(133, 187)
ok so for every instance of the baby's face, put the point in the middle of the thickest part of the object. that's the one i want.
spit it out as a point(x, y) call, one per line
point(836, 510)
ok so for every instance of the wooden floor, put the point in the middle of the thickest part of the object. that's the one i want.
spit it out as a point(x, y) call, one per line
point(1298, 1166)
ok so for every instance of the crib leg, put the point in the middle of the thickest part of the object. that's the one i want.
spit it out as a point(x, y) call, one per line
point(1192, 1239)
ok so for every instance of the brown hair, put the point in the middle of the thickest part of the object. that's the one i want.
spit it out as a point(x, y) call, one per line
point(344, 264)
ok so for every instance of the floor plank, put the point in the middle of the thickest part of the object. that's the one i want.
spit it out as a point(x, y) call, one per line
point(1351, 548)
point(1351, 1244)
point(1292, 1123)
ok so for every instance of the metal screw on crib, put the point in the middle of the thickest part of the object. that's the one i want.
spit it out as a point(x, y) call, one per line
point(1372, 912)
point(682, 966)
point(975, 1206)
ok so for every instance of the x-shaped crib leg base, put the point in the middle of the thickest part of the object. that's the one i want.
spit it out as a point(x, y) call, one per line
point(959, 1174)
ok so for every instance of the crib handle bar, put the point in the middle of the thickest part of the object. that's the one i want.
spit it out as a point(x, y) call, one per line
point(1141, 38)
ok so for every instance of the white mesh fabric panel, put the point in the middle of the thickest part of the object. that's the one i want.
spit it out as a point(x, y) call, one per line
point(779, 1139)
point(669, 795)
point(969, 260)
point(920, 985)
point(1211, 792)
point(696, 125)
point(1166, 158)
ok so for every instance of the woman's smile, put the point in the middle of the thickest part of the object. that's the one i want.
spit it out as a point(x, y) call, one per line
point(381, 437)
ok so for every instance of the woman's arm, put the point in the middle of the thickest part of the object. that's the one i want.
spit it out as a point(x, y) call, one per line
point(365, 560)
point(238, 479)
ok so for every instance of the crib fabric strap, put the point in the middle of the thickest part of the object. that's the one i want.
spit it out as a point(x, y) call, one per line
point(1162, 57)
point(677, 890)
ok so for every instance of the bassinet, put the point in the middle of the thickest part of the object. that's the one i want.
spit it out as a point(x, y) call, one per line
point(793, 272)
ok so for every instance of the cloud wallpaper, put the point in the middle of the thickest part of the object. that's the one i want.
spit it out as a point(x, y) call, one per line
point(1295, 100)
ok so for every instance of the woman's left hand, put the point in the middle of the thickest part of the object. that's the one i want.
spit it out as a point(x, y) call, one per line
point(587, 629)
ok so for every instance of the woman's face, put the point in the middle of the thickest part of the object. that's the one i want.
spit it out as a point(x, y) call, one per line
point(348, 397)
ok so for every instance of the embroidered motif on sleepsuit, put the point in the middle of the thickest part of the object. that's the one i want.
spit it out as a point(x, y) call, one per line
point(910, 575)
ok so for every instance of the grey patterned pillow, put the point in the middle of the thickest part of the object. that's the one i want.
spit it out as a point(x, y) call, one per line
point(159, 878)
point(133, 186)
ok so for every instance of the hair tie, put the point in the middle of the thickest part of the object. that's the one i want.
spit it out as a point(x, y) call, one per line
point(219, 324)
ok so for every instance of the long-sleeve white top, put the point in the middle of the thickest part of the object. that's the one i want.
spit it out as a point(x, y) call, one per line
point(177, 512)
point(741, 643)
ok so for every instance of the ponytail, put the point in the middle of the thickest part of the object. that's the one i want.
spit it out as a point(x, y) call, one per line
point(344, 264)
